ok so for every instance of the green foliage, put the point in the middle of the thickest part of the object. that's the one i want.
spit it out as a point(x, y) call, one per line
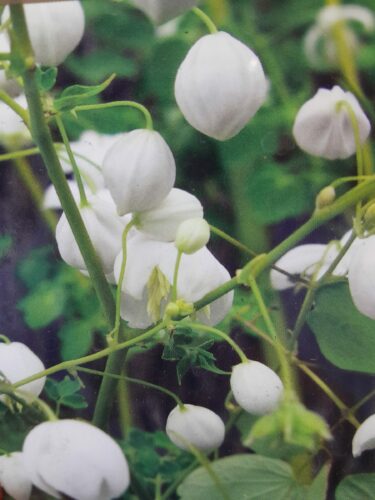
point(152, 455)
point(248, 477)
point(345, 336)
point(58, 291)
point(66, 393)
point(5, 245)
point(44, 304)
point(46, 78)
point(190, 349)
point(356, 487)
point(77, 94)
point(14, 426)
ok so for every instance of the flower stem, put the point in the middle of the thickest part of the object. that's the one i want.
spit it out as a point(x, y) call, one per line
point(133, 381)
point(206, 19)
point(19, 110)
point(175, 276)
point(115, 104)
point(219, 333)
point(19, 154)
point(77, 174)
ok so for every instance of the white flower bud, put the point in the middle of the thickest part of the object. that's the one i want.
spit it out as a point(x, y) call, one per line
point(17, 362)
point(105, 229)
point(161, 11)
point(162, 221)
point(76, 459)
point(139, 170)
point(55, 29)
point(198, 274)
point(322, 129)
point(256, 388)
point(13, 476)
point(192, 235)
point(362, 276)
point(325, 197)
point(13, 132)
point(220, 85)
point(364, 438)
point(196, 426)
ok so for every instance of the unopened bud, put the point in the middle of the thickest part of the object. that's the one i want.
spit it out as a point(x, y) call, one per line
point(325, 197)
point(192, 235)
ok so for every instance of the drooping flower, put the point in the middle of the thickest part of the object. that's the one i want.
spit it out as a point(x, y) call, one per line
point(105, 229)
point(13, 132)
point(55, 29)
point(196, 426)
point(364, 438)
point(220, 85)
point(18, 362)
point(162, 221)
point(13, 476)
point(76, 459)
point(192, 235)
point(149, 278)
point(361, 276)
point(161, 11)
point(256, 388)
point(323, 128)
point(319, 44)
point(139, 170)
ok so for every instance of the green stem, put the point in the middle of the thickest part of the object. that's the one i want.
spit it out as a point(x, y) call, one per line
point(121, 280)
point(33, 186)
point(115, 104)
point(77, 173)
point(72, 363)
point(206, 19)
point(219, 333)
point(5, 339)
point(43, 140)
point(19, 110)
point(173, 487)
point(133, 381)
point(19, 154)
point(233, 241)
point(175, 276)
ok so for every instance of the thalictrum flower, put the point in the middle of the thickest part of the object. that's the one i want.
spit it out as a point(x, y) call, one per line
point(13, 476)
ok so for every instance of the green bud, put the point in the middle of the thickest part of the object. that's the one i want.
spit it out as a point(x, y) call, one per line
point(325, 198)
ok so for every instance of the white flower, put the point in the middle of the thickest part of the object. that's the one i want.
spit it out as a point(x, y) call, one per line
point(13, 132)
point(192, 235)
point(220, 85)
point(362, 276)
point(17, 362)
point(364, 438)
point(76, 459)
point(55, 29)
point(162, 221)
point(161, 11)
point(256, 388)
point(198, 274)
point(13, 476)
point(52, 202)
point(320, 34)
point(139, 170)
point(196, 426)
point(105, 229)
point(321, 129)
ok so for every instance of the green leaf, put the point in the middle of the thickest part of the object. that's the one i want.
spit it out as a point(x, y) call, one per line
point(77, 94)
point(46, 78)
point(14, 426)
point(345, 336)
point(356, 487)
point(95, 67)
point(245, 477)
point(76, 339)
point(36, 267)
point(65, 392)
point(43, 304)
point(318, 489)
point(5, 245)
